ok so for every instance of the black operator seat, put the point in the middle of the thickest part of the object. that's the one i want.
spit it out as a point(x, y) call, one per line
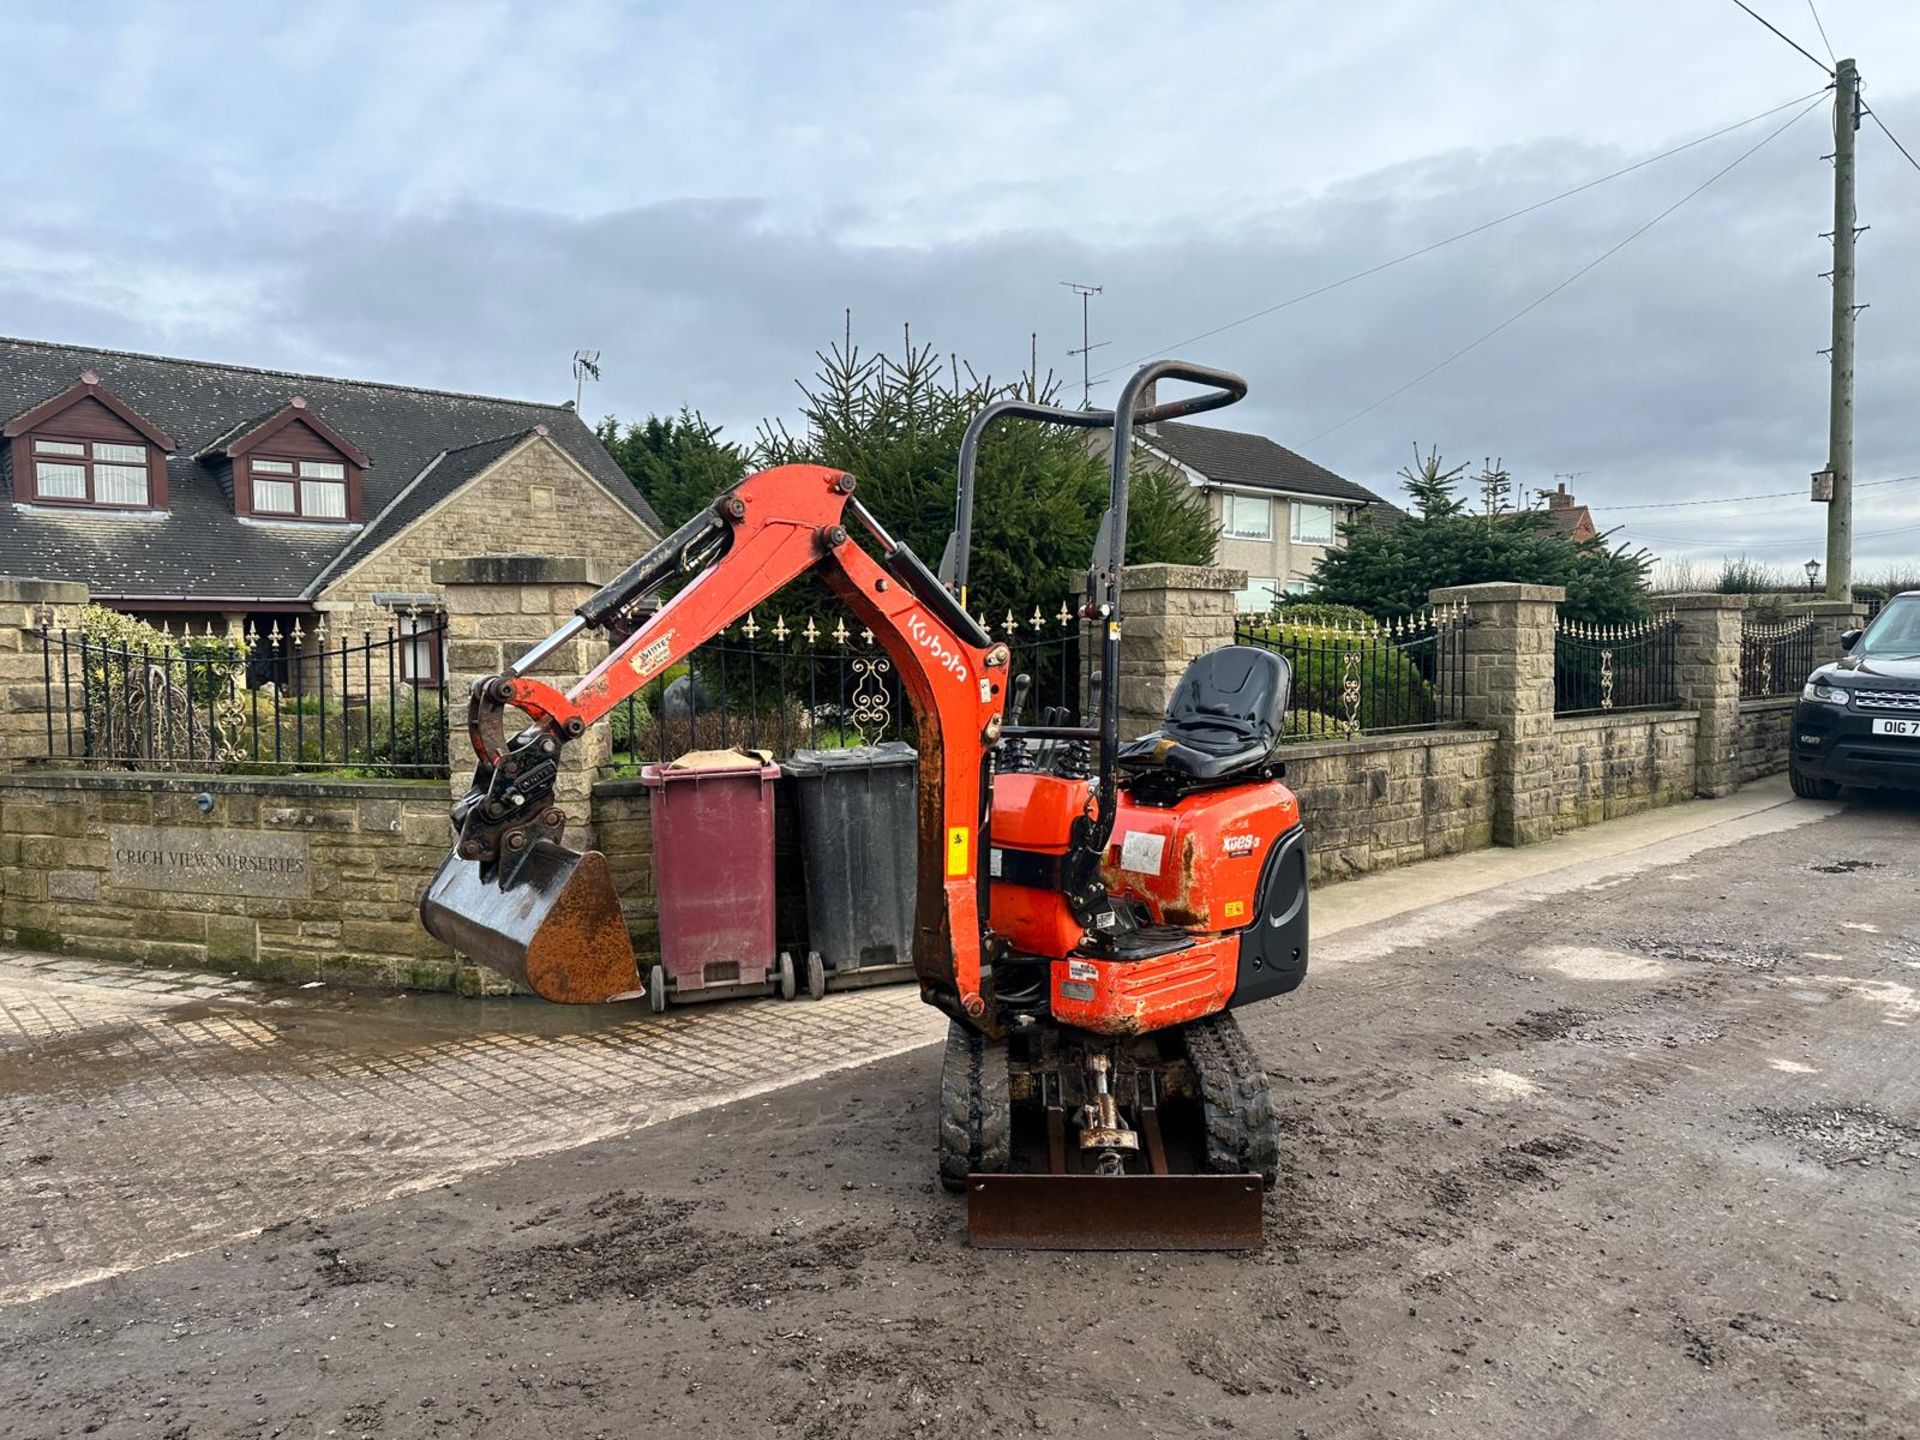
point(1227, 715)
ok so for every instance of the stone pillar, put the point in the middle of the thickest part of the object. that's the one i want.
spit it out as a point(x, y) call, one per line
point(498, 608)
point(1170, 614)
point(28, 712)
point(1707, 680)
point(1509, 690)
point(1834, 617)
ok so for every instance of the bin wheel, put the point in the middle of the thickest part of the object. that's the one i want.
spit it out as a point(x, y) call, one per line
point(816, 975)
point(787, 987)
point(657, 989)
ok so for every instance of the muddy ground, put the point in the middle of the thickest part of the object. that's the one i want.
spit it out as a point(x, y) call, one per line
point(1639, 1156)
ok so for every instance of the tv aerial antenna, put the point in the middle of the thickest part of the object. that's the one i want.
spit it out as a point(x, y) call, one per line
point(1087, 346)
point(586, 366)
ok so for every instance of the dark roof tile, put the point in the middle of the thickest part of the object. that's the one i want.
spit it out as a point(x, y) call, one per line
point(1232, 457)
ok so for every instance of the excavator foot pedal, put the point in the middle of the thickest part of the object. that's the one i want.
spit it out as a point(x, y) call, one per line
point(1114, 1212)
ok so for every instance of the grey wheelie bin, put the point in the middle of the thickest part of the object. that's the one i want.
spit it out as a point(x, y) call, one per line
point(857, 837)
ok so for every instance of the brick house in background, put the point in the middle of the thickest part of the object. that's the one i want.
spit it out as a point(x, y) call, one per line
point(1278, 512)
point(188, 491)
point(1569, 516)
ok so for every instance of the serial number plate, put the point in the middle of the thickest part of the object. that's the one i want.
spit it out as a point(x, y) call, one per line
point(1909, 728)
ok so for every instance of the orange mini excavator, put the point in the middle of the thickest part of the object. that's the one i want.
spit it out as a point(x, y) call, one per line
point(1088, 912)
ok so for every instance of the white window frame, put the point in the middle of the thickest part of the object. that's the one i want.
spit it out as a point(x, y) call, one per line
point(1257, 597)
point(1300, 509)
point(1231, 503)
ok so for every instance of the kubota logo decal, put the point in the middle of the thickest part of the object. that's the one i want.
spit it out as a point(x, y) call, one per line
point(928, 639)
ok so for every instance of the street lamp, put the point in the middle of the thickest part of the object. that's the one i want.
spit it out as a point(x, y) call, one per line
point(1813, 574)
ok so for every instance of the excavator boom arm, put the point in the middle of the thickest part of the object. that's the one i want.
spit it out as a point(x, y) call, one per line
point(766, 532)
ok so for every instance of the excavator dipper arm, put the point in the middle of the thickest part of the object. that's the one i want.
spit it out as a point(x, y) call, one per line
point(769, 530)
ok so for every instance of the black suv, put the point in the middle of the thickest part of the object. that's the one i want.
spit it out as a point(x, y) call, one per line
point(1858, 720)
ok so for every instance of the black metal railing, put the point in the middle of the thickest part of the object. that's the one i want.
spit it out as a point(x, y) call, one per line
point(1355, 678)
point(1599, 669)
point(281, 700)
point(781, 686)
point(1776, 658)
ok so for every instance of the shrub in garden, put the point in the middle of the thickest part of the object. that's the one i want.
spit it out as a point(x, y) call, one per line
point(1393, 692)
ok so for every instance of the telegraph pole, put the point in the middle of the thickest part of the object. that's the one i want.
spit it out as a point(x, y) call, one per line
point(1846, 124)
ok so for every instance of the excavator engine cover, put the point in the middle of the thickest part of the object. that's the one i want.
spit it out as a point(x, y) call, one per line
point(556, 928)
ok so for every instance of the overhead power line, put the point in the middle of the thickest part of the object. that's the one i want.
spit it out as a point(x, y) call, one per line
point(1736, 499)
point(1786, 37)
point(1592, 264)
point(1875, 115)
point(1428, 249)
point(1825, 43)
point(1722, 542)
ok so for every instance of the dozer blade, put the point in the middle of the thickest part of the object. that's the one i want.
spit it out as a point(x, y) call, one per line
point(1122, 1212)
point(556, 929)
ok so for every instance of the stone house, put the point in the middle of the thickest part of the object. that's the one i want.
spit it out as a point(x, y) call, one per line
point(255, 501)
point(1278, 512)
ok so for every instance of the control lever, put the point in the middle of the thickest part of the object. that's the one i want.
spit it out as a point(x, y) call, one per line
point(1013, 751)
point(1017, 700)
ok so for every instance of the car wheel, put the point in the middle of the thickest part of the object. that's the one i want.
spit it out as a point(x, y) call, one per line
point(1809, 786)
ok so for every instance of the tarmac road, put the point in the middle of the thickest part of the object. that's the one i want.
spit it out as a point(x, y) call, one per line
point(1625, 1145)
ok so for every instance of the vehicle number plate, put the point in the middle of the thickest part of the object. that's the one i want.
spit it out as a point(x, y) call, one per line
point(1908, 728)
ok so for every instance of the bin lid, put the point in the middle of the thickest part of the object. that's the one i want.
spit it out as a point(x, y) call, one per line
point(886, 755)
point(709, 764)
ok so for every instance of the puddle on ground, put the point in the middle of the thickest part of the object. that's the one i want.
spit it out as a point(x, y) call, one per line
point(1793, 1067)
point(1845, 867)
point(1582, 962)
point(1860, 925)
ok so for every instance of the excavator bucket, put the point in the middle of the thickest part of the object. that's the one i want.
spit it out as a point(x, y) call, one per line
point(555, 927)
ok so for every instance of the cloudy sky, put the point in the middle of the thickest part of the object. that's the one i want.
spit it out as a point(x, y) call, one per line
point(460, 195)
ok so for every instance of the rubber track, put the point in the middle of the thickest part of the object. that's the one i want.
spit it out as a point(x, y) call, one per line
point(1242, 1138)
point(976, 1114)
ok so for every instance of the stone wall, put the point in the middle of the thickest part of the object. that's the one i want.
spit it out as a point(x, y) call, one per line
point(278, 878)
point(1509, 690)
point(1765, 729)
point(1373, 804)
point(1606, 766)
point(623, 824)
point(27, 716)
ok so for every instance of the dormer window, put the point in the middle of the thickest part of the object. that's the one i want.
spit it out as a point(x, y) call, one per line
point(299, 489)
point(292, 466)
point(86, 447)
point(89, 472)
